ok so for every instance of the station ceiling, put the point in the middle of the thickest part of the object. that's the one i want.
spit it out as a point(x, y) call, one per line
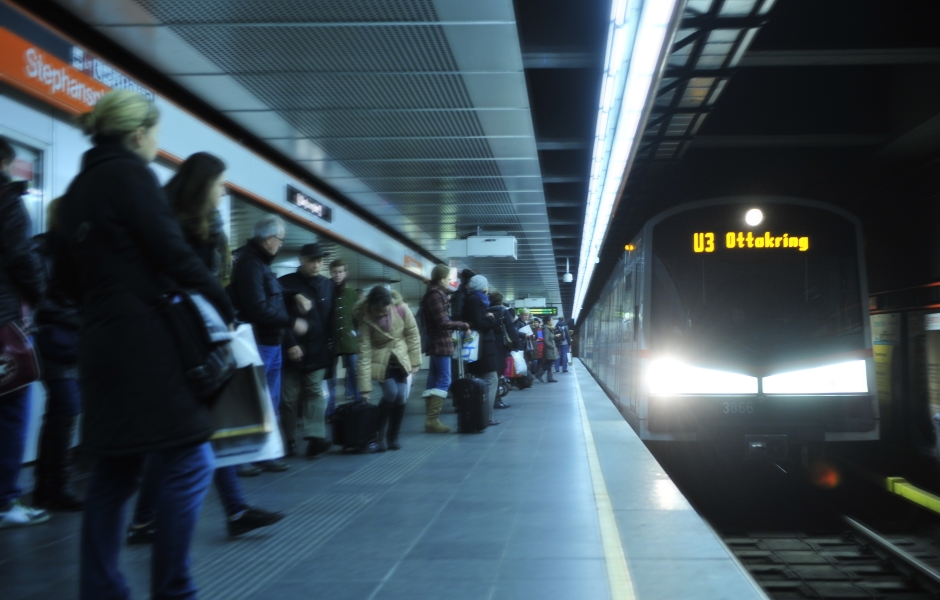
point(417, 110)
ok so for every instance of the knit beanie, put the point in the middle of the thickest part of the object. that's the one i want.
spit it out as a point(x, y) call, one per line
point(478, 283)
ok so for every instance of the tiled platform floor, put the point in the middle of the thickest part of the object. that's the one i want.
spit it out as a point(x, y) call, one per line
point(506, 514)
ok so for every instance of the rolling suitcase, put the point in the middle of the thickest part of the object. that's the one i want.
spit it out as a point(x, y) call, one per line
point(470, 400)
point(355, 426)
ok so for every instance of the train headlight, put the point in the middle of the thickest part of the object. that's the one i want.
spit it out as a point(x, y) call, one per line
point(667, 377)
point(843, 378)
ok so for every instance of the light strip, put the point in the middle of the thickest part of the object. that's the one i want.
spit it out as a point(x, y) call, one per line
point(638, 29)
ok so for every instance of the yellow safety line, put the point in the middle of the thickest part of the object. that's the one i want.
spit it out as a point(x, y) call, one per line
point(900, 486)
point(618, 574)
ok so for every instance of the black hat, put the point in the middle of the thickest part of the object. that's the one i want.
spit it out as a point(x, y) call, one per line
point(312, 251)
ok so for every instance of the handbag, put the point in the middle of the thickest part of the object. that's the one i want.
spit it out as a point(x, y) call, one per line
point(203, 340)
point(19, 365)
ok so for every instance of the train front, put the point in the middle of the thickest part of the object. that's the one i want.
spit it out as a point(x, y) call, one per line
point(757, 328)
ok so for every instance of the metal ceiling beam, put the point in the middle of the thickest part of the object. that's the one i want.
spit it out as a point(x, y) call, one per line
point(560, 60)
point(563, 179)
point(832, 58)
point(709, 22)
point(560, 144)
point(785, 141)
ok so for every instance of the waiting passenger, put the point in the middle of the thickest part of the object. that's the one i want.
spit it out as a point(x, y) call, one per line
point(194, 194)
point(58, 321)
point(117, 247)
point(507, 338)
point(345, 342)
point(308, 355)
point(480, 320)
point(537, 347)
point(260, 301)
point(20, 282)
point(550, 339)
point(390, 353)
point(564, 346)
point(440, 347)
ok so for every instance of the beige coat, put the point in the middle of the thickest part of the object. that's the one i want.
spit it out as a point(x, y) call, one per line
point(376, 346)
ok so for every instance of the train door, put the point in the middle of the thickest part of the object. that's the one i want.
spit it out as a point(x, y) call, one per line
point(629, 329)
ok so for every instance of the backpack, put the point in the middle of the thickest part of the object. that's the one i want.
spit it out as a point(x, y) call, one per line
point(423, 329)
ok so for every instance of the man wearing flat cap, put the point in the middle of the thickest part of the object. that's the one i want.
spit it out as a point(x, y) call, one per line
point(308, 357)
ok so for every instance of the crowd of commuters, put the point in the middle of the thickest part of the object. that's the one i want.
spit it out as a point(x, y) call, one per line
point(116, 244)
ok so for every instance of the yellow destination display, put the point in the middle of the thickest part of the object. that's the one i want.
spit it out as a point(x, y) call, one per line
point(705, 241)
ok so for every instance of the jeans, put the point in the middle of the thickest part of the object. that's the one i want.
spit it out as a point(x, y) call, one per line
point(439, 372)
point(14, 420)
point(303, 396)
point(562, 363)
point(351, 364)
point(492, 387)
point(186, 476)
point(226, 483)
point(272, 356)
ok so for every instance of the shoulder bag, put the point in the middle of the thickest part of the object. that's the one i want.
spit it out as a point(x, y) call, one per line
point(19, 365)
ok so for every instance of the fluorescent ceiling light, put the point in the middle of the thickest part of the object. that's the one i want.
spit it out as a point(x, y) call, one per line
point(637, 32)
point(670, 378)
point(843, 378)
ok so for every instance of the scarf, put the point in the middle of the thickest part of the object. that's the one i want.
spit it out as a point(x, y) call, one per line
point(483, 298)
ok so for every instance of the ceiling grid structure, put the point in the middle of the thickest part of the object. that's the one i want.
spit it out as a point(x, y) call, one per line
point(417, 110)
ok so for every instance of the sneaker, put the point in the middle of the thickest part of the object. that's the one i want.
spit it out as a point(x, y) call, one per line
point(248, 470)
point(21, 515)
point(138, 535)
point(252, 518)
point(274, 466)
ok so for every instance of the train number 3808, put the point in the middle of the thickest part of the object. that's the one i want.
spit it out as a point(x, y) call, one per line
point(737, 408)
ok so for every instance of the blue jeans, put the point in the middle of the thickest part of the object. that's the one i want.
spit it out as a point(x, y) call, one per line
point(273, 359)
point(439, 372)
point(14, 420)
point(562, 364)
point(186, 476)
point(351, 364)
point(225, 479)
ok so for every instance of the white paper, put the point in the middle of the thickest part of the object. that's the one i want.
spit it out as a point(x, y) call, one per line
point(526, 330)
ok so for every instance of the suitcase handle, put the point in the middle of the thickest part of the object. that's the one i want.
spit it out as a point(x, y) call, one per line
point(460, 372)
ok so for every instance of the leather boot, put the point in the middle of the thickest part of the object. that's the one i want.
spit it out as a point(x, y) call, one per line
point(52, 476)
point(395, 417)
point(384, 414)
point(432, 423)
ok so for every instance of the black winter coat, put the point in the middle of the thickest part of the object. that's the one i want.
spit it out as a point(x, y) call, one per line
point(258, 295)
point(502, 352)
point(19, 271)
point(116, 241)
point(316, 342)
point(479, 319)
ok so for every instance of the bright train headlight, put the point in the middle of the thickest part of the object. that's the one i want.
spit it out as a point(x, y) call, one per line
point(667, 377)
point(843, 378)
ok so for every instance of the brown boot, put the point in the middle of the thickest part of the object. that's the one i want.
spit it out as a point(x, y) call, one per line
point(432, 423)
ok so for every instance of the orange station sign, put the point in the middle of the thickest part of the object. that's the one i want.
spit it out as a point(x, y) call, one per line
point(29, 68)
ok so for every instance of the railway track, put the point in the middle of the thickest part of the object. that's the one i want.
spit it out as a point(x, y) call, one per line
point(855, 563)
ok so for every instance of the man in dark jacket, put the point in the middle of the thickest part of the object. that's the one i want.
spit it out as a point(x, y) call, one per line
point(308, 355)
point(507, 337)
point(476, 315)
point(19, 281)
point(564, 343)
point(345, 340)
point(260, 301)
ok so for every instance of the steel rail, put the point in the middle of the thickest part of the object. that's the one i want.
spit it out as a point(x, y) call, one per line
point(916, 564)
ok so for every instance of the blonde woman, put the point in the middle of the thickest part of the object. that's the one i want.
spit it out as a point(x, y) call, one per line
point(118, 247)
point(389, 352)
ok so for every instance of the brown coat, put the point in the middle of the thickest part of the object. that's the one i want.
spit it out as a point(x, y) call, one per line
point(377, 346)
point(437, 321)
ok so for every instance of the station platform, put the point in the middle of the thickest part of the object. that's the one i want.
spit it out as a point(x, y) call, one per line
point(559, 501)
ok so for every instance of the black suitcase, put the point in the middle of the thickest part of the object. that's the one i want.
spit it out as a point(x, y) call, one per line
point(469, 399)
point(355, 426)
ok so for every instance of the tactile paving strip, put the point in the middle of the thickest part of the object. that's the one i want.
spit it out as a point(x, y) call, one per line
point(312, 524)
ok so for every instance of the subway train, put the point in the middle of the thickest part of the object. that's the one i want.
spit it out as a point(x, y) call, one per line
point(742, 322)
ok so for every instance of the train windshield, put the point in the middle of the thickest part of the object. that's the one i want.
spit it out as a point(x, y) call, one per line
point(728, 294)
